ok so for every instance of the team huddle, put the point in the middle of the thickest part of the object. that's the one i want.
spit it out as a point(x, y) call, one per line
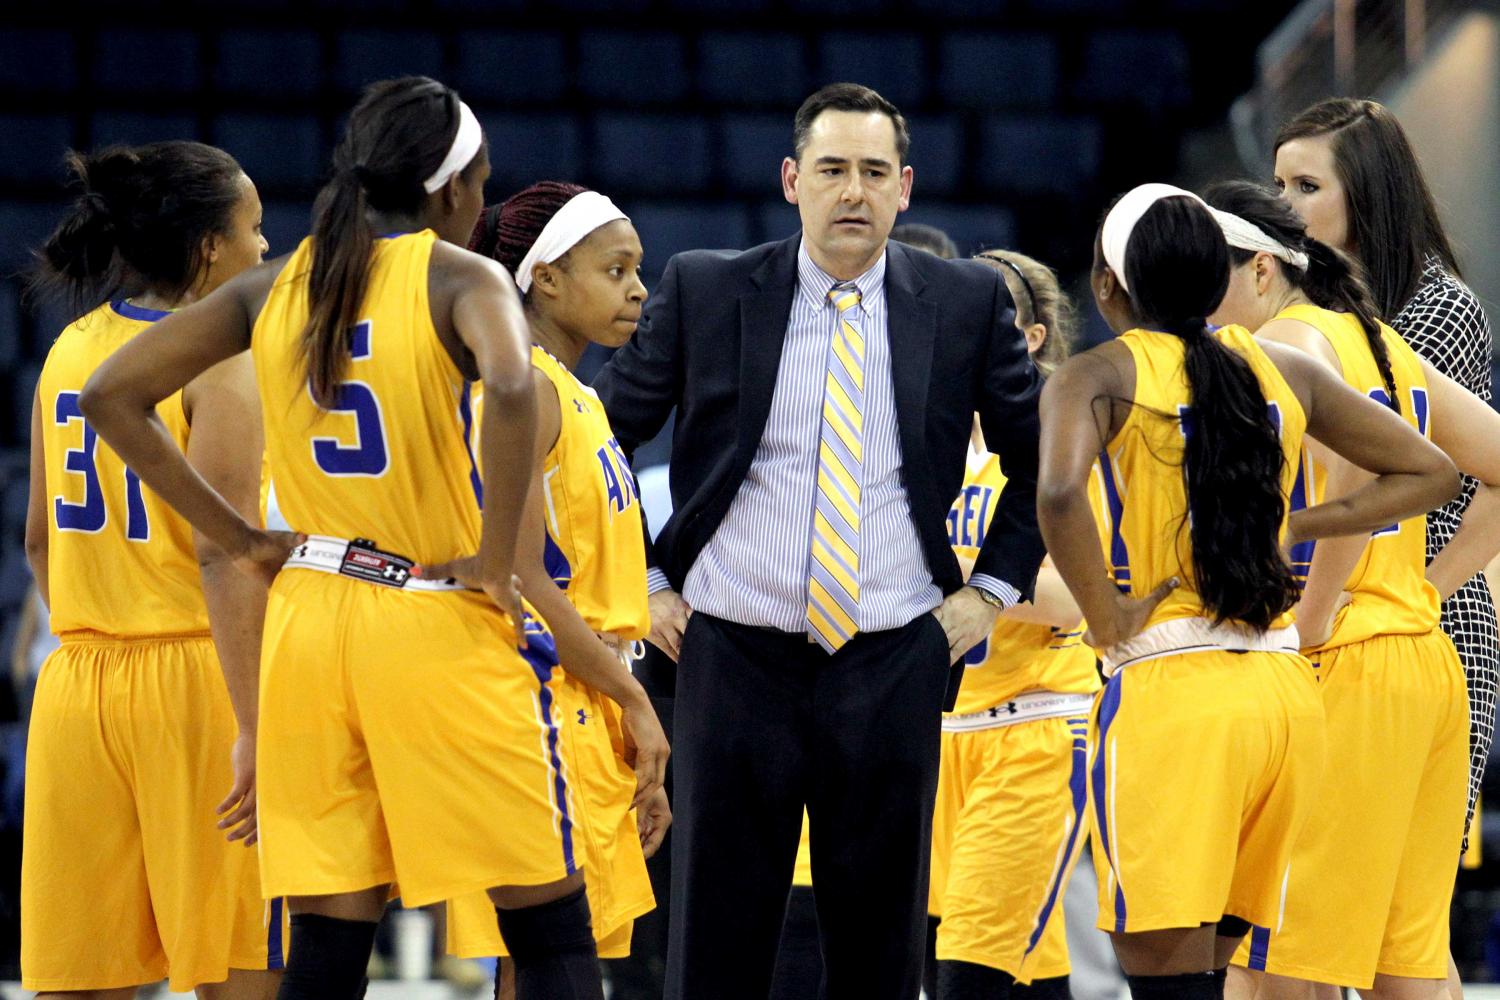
point(349, 568)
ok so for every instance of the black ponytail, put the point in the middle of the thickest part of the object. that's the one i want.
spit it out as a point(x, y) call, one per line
point(1177, 267)
point(139, 222)
point(398, 134)
point(1332, 279)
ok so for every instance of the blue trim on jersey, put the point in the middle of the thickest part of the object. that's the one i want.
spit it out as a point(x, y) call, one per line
point(555, 562)
point(1119, 555)
point(275, 955)
point(1078, 785)
point(541, 653)
point(466, 413)
point(1260, 946)
point(1302, 552)
point(1109, 707)
point(131, 311)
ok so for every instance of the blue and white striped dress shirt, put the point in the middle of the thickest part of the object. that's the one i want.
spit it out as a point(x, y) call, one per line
point(754, 569)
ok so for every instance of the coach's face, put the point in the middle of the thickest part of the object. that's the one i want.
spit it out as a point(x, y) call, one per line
point(848, 185)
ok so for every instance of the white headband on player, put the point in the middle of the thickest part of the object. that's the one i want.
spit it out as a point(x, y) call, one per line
point(1121, 220)
point(1246, 235)
point(465, 144)
point(579, 216)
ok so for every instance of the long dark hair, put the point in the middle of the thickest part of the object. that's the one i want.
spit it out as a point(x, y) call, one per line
point(398, 134)
point(1177, 267)
point(139, 222)
point(1332, 278)
point(1393, 220)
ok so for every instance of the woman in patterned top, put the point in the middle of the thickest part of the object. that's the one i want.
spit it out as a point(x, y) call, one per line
point(1346, 166)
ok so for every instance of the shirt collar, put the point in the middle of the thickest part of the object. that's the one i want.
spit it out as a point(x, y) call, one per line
point(816, 282)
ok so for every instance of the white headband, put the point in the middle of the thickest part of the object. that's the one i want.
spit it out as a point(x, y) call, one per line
point(465, 144)
point(581, 215)
point(1120, 222)
point(1246, 235)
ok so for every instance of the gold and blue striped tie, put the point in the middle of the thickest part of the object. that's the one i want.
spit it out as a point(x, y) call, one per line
point(833, 577)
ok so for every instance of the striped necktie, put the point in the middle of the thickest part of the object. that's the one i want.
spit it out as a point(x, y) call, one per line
point(833, 577)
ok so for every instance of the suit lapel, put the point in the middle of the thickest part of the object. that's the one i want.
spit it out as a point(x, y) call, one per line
point(764, 314)
point(911, 329)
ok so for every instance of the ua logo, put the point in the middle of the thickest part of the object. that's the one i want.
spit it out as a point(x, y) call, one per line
point(583, 717)
point(579, 404)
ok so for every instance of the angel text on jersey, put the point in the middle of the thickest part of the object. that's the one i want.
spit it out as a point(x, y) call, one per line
point(619, 483)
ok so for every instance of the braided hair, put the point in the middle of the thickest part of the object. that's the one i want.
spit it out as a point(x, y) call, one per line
point(507, 231)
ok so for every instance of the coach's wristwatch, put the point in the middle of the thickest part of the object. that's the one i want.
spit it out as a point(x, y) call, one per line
point(988, 598)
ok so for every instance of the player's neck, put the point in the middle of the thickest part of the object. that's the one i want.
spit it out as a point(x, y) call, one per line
point(150, 299)
point(553, 339)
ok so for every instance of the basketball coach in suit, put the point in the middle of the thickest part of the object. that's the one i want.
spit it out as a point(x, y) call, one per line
point(825, 386)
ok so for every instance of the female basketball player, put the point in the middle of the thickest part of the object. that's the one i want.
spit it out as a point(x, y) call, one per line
point(581, 555)
point(1208, 739)
point(1347, 168)
point(135, 734)
point(1010, 804)
point(1367, 901)
point(404, 738)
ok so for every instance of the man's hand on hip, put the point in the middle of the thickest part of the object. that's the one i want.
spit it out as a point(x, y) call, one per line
point(966, 619)
point(669, 615)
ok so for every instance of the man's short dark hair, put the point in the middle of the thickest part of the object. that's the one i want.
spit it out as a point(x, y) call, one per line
point(847, 97)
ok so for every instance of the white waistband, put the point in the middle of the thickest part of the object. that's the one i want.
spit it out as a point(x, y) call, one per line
point(361, 561)
point(1022, 708)
point(1196, 635)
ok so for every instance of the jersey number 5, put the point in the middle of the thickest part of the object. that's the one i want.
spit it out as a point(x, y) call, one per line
point(90, 516)
point(367, 456)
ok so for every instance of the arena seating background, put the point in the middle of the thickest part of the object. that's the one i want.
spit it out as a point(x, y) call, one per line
point(1026, 115)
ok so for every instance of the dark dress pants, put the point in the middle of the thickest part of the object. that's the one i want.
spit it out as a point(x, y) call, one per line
point(765, 723)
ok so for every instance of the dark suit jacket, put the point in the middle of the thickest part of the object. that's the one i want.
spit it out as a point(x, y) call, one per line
point(710, 343)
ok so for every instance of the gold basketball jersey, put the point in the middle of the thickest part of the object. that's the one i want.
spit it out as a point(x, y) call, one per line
point(390, 460)
point(119, 559)
point(1145, 488)
point(1388, 588)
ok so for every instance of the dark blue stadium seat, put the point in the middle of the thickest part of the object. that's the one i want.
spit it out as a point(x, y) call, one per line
point(742, 68)
point(972, 227)
point(22, 396)
point(984, 70)
point(25, 225)
point(13, 502)
point(37, 62)
point(711, 7)
point(136, 127)
point(775, 219)
point(269, 63)
point(529, 148)
point(1068, 8)
point(642, 152)
point(632, 67)
point(12, 342)
point(284, 223)
point(366, 56)
point(511, 66)
point(835, 6)
point(158, 61)
point(962, 9)
point(937, 154)
point(15, 578)
point(485, 6)
point(895, 65)
point(1038, 155)
point(669, 228)
point(598, 6)
point(754, 146)
point(34, 146)
point(276, 151)
point(1146, 69)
